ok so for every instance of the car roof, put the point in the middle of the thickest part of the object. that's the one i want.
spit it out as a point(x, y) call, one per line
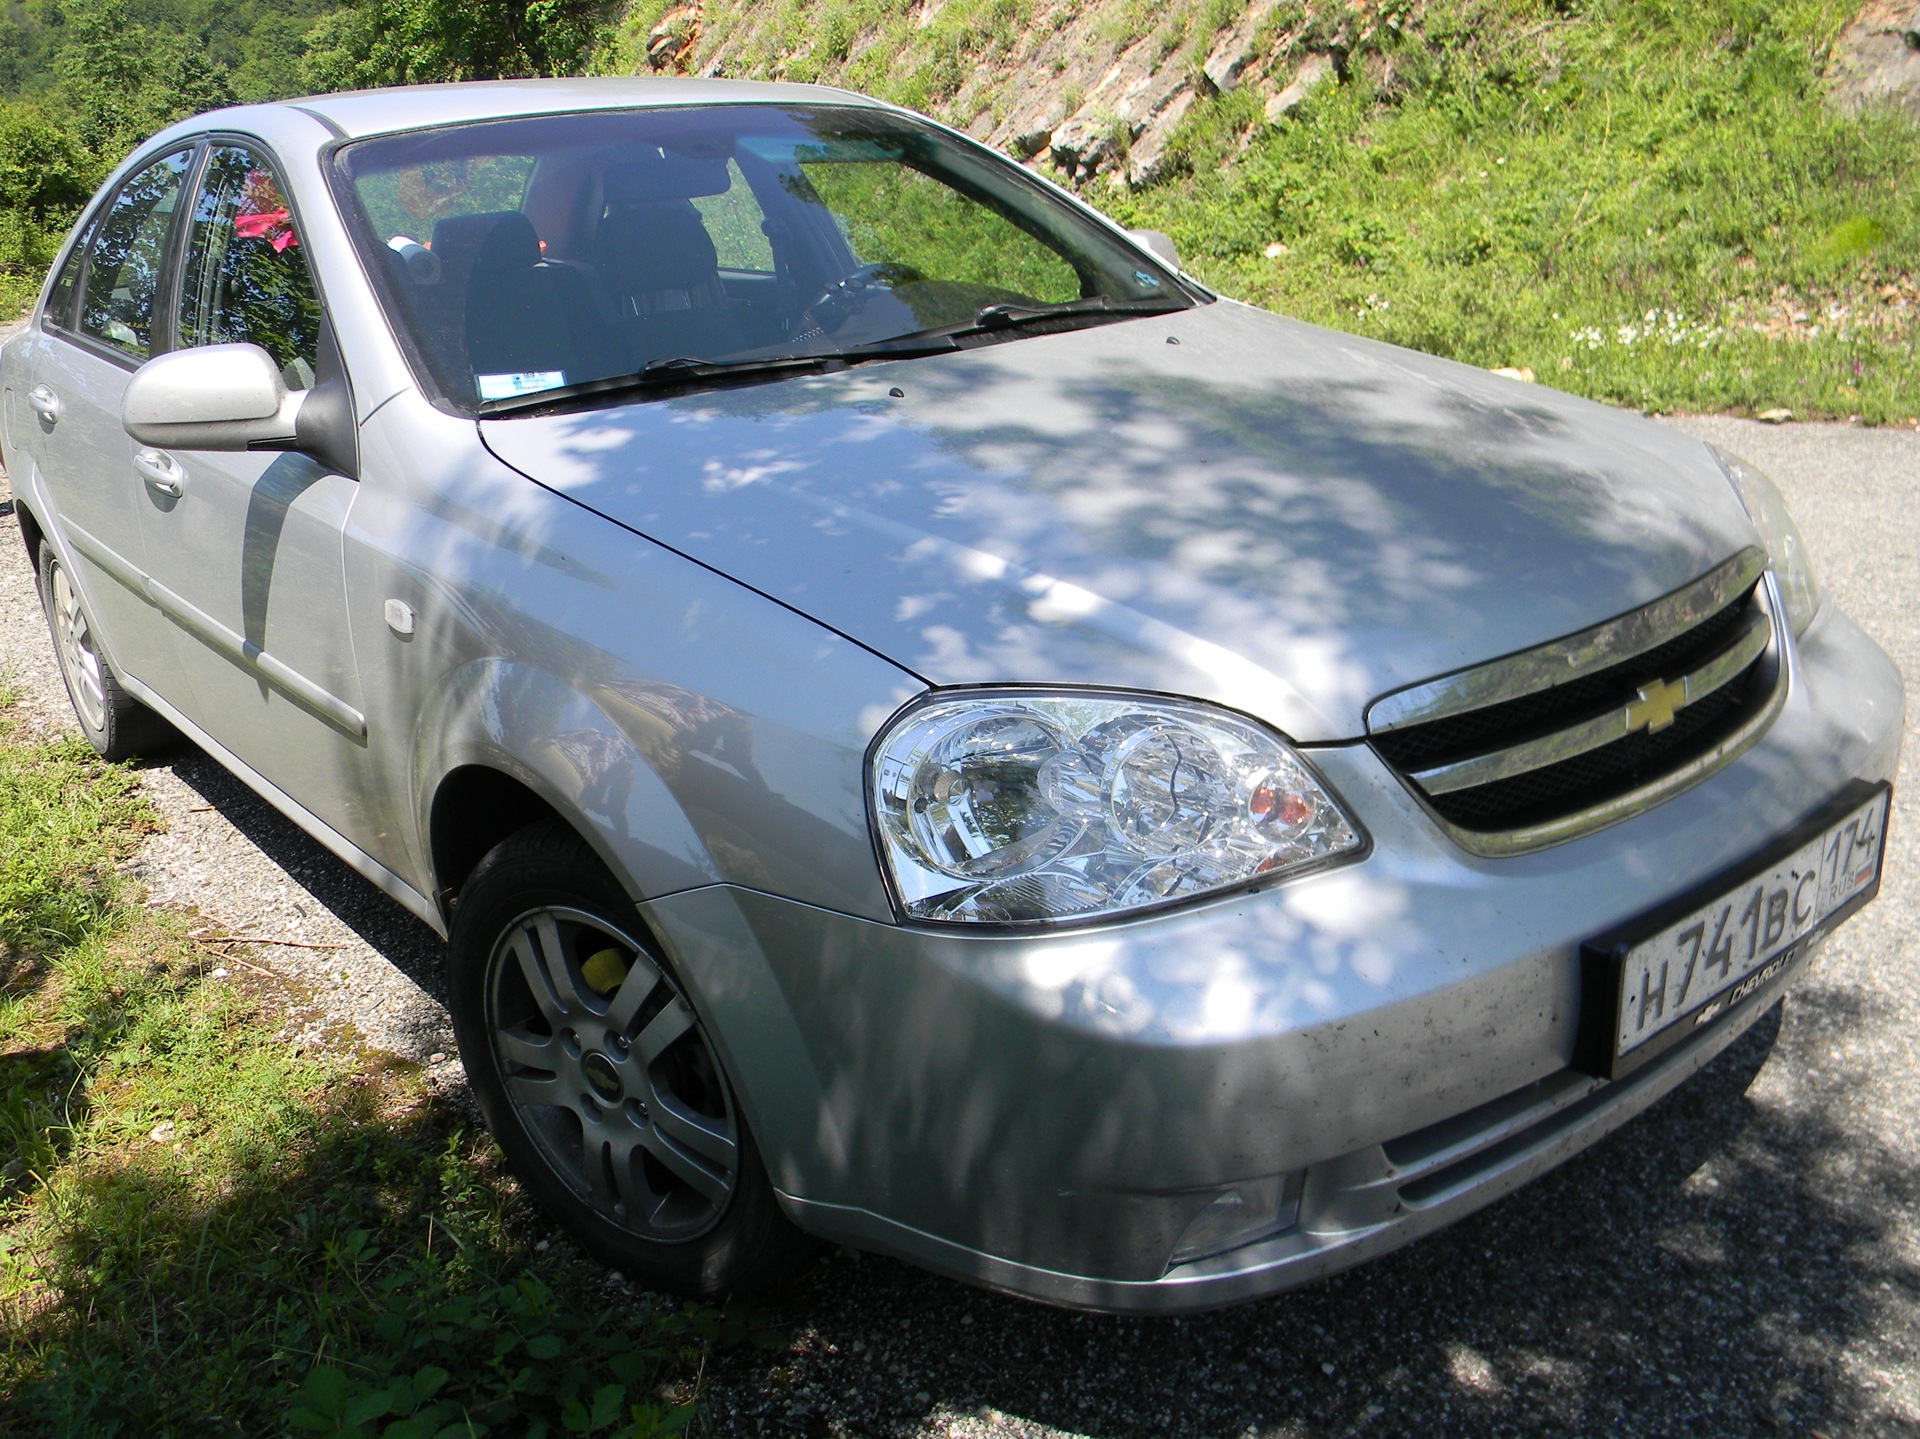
point(356, 114)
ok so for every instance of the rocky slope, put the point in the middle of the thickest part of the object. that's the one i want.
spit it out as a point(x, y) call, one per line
point(1099, 87)
point(1087, 86)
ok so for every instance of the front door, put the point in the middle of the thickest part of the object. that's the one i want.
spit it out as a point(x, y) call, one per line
point(246, 558)
point(100, 327)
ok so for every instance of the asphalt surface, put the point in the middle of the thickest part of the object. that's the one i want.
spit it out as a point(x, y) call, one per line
point(1743, 1259)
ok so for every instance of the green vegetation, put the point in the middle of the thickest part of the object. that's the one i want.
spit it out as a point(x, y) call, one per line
point(208, 1228)
point(1643, 202)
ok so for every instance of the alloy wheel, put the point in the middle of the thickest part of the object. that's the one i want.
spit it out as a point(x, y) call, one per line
point(79, 656)
point(611, 1074)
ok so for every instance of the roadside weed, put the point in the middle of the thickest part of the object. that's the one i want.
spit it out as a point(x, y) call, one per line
point(210, 1224)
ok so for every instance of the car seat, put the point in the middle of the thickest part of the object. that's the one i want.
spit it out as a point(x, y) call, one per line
point(655, 256)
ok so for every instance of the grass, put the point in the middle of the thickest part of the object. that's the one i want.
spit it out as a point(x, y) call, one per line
point(1643, 201)
point(206, 1228)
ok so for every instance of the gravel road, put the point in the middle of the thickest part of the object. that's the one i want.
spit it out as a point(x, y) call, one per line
point(1743, 1259)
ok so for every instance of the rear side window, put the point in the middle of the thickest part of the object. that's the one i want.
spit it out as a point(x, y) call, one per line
point(245, 278)
point(124, 257)
point(60, 301)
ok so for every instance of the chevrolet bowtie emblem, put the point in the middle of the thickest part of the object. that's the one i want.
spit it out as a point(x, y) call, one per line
point(1654, 710)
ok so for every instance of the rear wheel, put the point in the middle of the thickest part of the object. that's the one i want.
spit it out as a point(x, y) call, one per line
point(599, 1080)
point(114, 722)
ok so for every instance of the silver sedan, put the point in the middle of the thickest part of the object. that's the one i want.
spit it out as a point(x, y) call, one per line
point(924, 727)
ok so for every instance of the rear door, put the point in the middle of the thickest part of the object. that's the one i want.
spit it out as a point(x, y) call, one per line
point(246, 557)
point(104, 321)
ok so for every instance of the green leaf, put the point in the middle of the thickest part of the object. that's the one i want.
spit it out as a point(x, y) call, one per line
point(427, 1382)
point(368, 1404)
point(545, 1346)
point(322, 1399)
point(606, 1405)
point(573, 1414)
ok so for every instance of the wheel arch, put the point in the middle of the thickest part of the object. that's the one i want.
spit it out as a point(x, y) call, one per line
point(474, 808)
point(31, 531)
point(508, 745)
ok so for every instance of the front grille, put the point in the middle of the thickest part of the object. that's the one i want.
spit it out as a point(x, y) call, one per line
point(1525, 745)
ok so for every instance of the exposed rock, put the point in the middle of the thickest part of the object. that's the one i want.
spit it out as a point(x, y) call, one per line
point(1239, 48)
point(1028, 128)
point(1131, 95)
point(1877, 58)
point(672, 37)
point(1314, 71)
point(1147, 160)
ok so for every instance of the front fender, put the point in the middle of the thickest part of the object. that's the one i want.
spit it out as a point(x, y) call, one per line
point(532, 726)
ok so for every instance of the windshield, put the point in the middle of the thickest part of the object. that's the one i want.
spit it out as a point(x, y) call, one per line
point(520, 257)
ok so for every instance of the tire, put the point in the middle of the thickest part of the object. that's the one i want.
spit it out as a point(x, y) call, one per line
point(116, 724)
point(599, 1081)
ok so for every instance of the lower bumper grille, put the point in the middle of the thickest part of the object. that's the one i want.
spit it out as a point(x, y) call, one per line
point(1539, 747)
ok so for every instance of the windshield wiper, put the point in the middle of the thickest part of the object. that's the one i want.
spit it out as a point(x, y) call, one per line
point(1012, 314)
point(690, 372)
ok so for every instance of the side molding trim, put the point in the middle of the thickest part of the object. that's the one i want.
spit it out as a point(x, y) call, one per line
point(217, 637)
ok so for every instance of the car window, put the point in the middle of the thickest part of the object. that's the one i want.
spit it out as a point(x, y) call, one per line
point(894, 216)
point(60, 299)
point(245, 278)
point(528, 255)
point(736, 225)
point(124, 257)
point(409, 199)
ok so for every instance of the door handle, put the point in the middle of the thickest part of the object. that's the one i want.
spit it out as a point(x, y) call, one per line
point(44, 403)
point(161, 472)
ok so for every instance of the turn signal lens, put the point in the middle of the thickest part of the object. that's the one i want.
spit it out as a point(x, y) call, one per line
point(1002, 808)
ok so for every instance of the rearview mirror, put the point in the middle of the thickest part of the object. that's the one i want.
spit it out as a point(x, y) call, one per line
point(1161, 245)
point(212, 397)
point(232, 397)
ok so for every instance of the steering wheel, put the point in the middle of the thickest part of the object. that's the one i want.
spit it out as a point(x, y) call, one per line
point(835, 305)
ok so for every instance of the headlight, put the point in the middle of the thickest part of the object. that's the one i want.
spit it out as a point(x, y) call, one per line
point(1799, 587)
point(1003, 808)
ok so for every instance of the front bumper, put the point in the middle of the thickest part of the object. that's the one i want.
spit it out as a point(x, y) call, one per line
point(1391, 1042)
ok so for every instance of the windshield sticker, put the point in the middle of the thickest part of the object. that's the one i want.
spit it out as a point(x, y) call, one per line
point(529, 382)
point(1146, 281)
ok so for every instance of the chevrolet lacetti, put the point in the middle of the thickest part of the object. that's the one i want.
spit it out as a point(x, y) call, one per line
point(924, 727)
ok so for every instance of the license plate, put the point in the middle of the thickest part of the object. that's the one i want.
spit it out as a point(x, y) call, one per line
point(1711, 955)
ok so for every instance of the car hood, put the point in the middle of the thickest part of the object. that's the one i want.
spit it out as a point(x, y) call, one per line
point(1220, 503)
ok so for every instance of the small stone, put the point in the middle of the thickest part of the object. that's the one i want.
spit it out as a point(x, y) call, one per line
point(1327, 1369)
point(12, 1170)
point(543, 1246)
point(1275, 250)
point(1512, 372)
point(161, 1133)
point(920, 1396)
point(220, 973)
point(1774, 417)
point(436, 1058)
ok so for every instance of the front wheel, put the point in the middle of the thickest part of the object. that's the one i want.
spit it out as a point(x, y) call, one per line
point(599, 1080)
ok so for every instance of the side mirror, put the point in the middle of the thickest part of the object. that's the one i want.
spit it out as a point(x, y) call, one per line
point(1161, 245)
point(213, 397)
